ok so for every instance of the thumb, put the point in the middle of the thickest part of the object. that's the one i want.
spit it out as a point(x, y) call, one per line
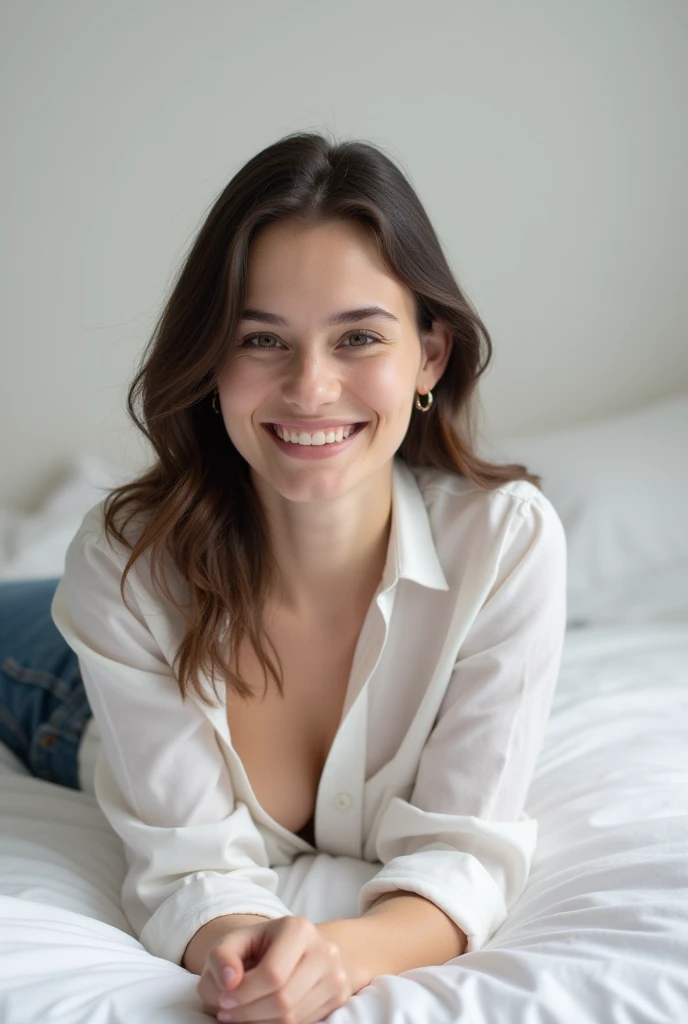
point(231, 953)
point(232, 972)
point(240, 951)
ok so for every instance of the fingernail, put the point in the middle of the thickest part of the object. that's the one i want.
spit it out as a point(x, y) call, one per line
point(228, 975)
point(227, 1002)
point(224, 1016)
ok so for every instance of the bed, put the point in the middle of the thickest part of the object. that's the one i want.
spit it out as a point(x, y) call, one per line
point(600, 933)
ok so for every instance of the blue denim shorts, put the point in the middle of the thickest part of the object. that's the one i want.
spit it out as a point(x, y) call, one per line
point(43, 705)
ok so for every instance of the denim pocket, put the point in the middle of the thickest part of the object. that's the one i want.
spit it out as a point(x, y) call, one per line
point(42, 719)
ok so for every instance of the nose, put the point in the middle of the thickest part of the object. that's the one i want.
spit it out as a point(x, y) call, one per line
point(311, 380)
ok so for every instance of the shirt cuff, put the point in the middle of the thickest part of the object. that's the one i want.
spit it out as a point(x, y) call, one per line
point(458, 883)
point(204, 897)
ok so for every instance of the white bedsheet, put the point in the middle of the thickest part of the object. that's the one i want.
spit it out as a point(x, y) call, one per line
point(599, 935)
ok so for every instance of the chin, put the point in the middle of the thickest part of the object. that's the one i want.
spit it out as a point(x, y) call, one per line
point(311, 490)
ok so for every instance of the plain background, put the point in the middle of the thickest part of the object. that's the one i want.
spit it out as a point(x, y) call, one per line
point(548, 141)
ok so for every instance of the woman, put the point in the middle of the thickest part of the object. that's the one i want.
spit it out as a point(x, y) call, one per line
point(320, 622)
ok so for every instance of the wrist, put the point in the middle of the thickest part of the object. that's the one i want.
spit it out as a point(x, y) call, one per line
point(209, 934)
point(355, 954)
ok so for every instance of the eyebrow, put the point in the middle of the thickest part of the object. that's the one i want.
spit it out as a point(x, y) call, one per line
point(346, 316)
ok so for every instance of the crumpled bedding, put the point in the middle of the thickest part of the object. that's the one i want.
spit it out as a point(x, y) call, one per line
point(600, 933)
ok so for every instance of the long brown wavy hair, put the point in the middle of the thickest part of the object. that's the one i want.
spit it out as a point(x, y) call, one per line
point(197, 504)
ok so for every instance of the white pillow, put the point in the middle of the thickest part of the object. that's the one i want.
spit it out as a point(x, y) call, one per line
point(620, 486)
point(33, 545)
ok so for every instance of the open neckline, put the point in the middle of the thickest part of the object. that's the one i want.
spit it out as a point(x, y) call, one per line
point(219, 719)
point(218, 716)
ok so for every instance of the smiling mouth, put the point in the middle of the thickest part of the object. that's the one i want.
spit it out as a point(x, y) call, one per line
point(327, 437)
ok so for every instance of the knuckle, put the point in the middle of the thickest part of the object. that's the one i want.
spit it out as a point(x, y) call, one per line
point(283, 1004)
point(301, 924)
point(275, 977)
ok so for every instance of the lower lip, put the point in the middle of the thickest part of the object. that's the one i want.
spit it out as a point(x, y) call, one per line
point(314, 451)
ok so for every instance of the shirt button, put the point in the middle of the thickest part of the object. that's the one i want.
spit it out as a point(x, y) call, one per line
point(342, 801)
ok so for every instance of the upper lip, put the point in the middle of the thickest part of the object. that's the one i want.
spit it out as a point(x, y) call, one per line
point(312, 426)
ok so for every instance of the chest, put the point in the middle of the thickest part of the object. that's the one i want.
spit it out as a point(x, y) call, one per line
point(283, 742)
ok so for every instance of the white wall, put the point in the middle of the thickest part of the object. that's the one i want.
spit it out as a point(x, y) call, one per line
point(548, 141)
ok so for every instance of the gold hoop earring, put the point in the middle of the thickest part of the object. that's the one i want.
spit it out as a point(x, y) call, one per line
point(214, 403)
point(419, 405)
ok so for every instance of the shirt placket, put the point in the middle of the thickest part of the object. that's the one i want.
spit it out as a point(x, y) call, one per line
point(339, 808)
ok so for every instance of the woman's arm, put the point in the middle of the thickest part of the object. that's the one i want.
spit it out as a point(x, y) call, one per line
point(398, 932)
point(210, 933)
point(462, 838)
point(194, 853)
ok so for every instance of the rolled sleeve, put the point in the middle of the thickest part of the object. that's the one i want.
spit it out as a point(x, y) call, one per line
point(472, 869)
point(463, 839)
point(181, 877)
point(193, 852)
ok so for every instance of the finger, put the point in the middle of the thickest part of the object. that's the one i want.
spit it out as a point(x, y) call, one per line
point(321, 1001)
point(210, 992)
point(284, 945)
point(236, 951)
point(328, 987)
point(317, 977)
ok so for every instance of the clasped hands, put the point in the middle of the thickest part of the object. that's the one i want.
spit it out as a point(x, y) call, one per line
point(287, 970)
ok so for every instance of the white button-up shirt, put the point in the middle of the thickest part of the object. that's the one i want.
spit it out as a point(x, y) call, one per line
point(447, 703)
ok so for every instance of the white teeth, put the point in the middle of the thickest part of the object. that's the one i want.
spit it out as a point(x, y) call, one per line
point(317, 438)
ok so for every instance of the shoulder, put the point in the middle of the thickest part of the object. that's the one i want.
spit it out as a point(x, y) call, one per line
point(466, 517)
point(94, 584)
point(117, 532)
point(98, 553)
point(451, 495)
point(93, 547)
point(95, 558)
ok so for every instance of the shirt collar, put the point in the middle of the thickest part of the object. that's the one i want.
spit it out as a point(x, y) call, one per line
point(411, 552)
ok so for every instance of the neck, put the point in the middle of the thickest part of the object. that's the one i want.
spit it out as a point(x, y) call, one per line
point(330, 555)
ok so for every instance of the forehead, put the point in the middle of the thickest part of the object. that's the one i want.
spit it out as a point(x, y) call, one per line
point(328, 266)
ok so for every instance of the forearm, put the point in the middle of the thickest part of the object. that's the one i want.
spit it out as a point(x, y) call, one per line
point(400, 931)
point(206, 936)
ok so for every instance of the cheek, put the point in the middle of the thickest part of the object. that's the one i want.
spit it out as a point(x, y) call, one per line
point(388, 388)
point(242, 386)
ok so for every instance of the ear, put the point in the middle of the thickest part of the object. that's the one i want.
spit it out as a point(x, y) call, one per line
point(437, 346)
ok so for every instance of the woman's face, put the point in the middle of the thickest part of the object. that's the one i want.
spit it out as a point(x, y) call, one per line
point(296, 371)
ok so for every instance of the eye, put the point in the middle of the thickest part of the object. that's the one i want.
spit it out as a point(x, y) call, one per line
point(252, 337)
point(364, 334)
point(249, 340)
